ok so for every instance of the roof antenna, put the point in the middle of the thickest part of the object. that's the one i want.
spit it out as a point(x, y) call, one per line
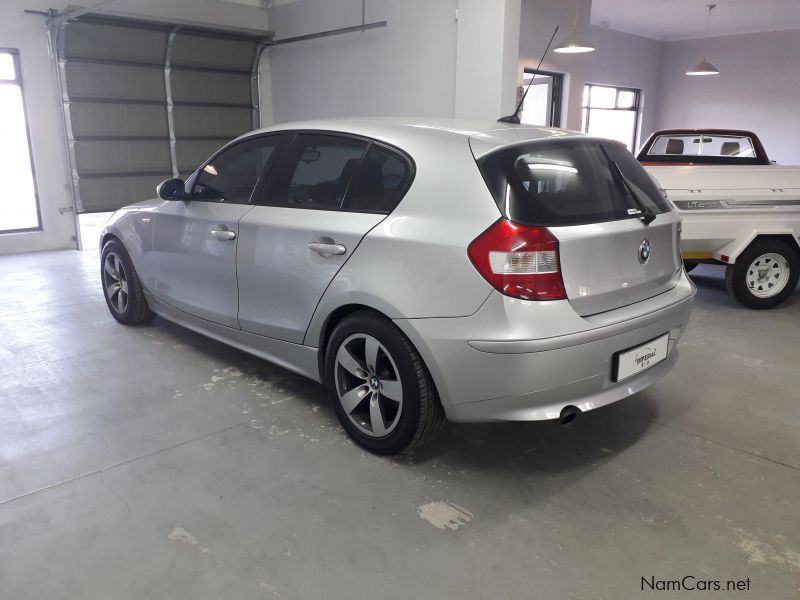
point(514, 118)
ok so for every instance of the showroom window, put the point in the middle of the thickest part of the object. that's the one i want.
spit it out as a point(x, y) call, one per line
point(20, 209)
point(611, 112)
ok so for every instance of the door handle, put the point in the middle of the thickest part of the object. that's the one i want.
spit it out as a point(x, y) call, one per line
point(224, 234)
point(327, 249)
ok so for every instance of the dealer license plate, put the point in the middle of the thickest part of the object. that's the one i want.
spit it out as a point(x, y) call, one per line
point(634, 361)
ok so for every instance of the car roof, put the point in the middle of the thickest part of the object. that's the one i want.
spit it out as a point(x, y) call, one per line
point(408, 132)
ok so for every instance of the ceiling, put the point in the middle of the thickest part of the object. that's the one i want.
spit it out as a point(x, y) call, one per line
point(686, 19)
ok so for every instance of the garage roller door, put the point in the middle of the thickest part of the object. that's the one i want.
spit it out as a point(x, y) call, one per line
point(145, 101)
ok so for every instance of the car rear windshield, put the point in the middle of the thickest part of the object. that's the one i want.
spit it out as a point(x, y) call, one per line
point(569, 182)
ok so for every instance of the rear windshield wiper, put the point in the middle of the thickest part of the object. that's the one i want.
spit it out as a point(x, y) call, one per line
point(645, 214)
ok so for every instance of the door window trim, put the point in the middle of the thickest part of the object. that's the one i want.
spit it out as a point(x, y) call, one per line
point(18, 81)
point(263, 199)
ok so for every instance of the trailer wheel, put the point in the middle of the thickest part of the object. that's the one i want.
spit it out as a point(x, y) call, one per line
point(764, 275)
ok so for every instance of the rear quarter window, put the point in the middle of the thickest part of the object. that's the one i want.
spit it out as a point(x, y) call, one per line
point(569, 182)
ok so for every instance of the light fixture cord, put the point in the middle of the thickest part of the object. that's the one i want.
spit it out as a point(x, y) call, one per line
point(575, 22)
point(708, 19)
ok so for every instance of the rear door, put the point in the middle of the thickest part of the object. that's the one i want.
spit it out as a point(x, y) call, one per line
point(327, 192)
point(195, 239)
point(593, 196)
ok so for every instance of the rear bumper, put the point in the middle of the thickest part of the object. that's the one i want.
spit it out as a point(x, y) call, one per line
point(506, 362)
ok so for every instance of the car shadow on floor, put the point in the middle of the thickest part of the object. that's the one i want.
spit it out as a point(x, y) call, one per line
point(540, 445)
point(489, 450)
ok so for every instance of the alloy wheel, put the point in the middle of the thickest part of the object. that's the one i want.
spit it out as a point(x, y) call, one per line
point(368, 385)
point(115, 282)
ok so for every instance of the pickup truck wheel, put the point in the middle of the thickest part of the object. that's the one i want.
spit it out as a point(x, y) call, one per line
point(764, 275)
point(690, 265)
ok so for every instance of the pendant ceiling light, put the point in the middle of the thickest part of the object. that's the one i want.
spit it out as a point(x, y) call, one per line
point(574, 44)
point(704, 67)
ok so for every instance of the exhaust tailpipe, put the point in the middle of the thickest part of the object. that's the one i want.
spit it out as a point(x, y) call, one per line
point(568, 414)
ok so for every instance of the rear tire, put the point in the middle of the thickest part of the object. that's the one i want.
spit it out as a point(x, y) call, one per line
point(690, 265)
point(383, 395)
point(764, 275)
point(121, 286)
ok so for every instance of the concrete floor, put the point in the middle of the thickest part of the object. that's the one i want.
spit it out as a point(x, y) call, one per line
point(150, 462)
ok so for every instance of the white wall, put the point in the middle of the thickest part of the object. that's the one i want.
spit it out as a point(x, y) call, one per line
point(758, 88)
point(28, 34)
point(440, 58)
point(407, 68)
point(488, 36)
point(620, 59)
point(626, 60)
point(538, 19)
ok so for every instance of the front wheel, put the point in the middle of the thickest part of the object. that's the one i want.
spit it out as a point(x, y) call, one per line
point(121, 287)
point(764, 275)
point(383, 394)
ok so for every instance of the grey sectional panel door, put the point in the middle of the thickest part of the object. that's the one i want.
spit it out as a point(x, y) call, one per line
point(145, 101)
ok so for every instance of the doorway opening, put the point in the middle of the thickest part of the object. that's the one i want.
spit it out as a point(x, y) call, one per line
point(543, 103)
point(19, 209)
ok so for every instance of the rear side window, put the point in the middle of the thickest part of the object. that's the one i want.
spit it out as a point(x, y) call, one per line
point(379, 183)
point(569, 182)
point(317, 171)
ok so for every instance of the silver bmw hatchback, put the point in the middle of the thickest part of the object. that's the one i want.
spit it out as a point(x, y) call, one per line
point(422, 270)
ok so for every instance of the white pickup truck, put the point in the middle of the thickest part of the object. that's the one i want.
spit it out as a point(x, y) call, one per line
point(738, 208)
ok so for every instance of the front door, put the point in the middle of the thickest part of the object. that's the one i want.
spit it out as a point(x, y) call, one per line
point(195, 239)
point(327, 193)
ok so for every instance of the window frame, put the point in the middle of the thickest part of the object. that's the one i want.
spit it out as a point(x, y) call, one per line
point(283, 136)
point(265, 193)
point(18, 81)
point(636, 108)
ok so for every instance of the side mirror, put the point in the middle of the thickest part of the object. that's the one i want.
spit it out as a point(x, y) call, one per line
point(171, 189)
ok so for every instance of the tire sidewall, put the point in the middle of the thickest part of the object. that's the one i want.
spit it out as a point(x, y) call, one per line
point(386, 334)
point(738, 280)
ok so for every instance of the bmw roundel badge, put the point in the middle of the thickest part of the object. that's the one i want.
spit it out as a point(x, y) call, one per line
point(644, 251)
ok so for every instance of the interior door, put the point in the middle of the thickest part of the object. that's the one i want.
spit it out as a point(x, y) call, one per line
point(195, 239)
point(327, 193)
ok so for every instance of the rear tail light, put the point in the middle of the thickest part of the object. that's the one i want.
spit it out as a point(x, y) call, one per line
point(519, 261)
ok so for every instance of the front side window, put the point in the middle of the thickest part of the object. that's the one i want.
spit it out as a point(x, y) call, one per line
point(569, 182)
point(232, 175)
point(317, 172)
